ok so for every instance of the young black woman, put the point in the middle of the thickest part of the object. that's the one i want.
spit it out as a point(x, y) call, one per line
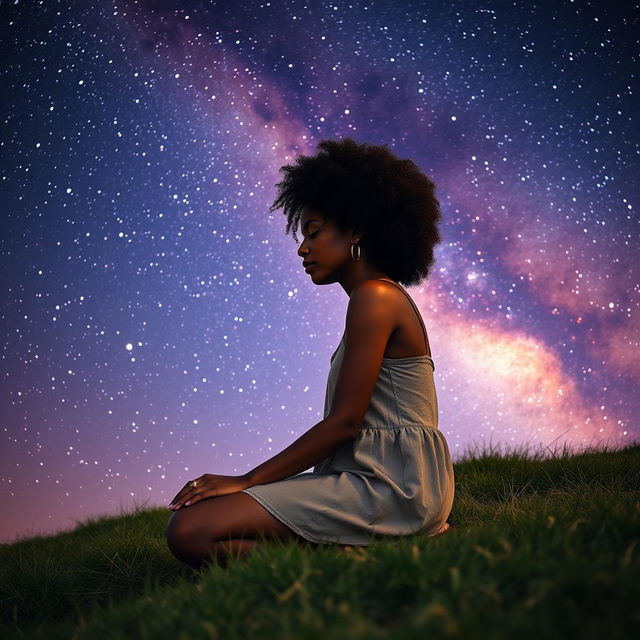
point(381, 466)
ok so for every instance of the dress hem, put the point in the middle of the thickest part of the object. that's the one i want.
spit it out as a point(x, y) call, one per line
point(307, 536)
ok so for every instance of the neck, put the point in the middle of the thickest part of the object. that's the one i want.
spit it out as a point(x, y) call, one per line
point(360, 272)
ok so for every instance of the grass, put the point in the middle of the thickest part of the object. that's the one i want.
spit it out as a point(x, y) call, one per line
point(542, 547)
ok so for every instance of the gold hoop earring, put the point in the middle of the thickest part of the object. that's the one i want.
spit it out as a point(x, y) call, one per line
point(358, 247)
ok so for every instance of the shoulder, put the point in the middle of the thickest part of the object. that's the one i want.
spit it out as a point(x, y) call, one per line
point(372, 290)
point(373, 294)
point(372, 301)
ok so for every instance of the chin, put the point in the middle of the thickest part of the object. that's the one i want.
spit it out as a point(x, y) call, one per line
point(317, 279)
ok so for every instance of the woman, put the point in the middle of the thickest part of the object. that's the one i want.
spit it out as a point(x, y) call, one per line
point(382, 467)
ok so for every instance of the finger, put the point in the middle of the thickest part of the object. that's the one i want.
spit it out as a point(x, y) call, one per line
point(187, 500)
point(181, 492)
point(178, 496)
point(182, 497)
point(179, 503)
point(187, 487)
point(187, 497)
point(201, 495)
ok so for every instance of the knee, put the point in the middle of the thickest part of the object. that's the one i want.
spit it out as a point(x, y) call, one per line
point(188, 542)
point(180, 535)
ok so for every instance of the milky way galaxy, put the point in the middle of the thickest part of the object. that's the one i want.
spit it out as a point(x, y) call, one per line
point(157, 322)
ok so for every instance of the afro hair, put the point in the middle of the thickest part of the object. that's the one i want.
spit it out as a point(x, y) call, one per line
point(367, 189)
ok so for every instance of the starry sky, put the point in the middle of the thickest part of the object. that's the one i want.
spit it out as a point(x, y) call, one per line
point(157, 322)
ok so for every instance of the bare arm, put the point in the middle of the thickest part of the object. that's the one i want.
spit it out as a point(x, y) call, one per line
point(316, 444)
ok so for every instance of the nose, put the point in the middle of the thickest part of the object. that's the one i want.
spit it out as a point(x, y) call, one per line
point(301, 249)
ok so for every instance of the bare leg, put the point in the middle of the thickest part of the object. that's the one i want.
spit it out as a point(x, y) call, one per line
point(215, 526)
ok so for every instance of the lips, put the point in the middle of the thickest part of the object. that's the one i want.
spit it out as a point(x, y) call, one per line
point(309, 266)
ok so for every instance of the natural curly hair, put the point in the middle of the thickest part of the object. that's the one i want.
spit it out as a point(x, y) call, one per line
point(366, 188)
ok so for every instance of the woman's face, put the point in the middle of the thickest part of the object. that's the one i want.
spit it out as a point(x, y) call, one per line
point(325, 246)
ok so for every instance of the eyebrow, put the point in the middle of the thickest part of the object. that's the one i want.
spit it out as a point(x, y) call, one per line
point(308, 222)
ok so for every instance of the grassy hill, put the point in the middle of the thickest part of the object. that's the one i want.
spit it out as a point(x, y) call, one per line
point(541, 547)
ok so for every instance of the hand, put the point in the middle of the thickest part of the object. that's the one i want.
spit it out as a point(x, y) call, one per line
point(208, 486)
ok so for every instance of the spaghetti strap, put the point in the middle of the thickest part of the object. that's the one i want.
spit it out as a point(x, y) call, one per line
point(413, 304)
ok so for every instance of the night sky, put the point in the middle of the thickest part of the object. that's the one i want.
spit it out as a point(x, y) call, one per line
point(156, 320)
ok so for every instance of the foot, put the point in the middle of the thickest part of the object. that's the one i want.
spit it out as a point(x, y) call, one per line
point(445, 527)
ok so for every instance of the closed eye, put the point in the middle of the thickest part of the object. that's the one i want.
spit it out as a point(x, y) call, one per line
point(314, 234)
